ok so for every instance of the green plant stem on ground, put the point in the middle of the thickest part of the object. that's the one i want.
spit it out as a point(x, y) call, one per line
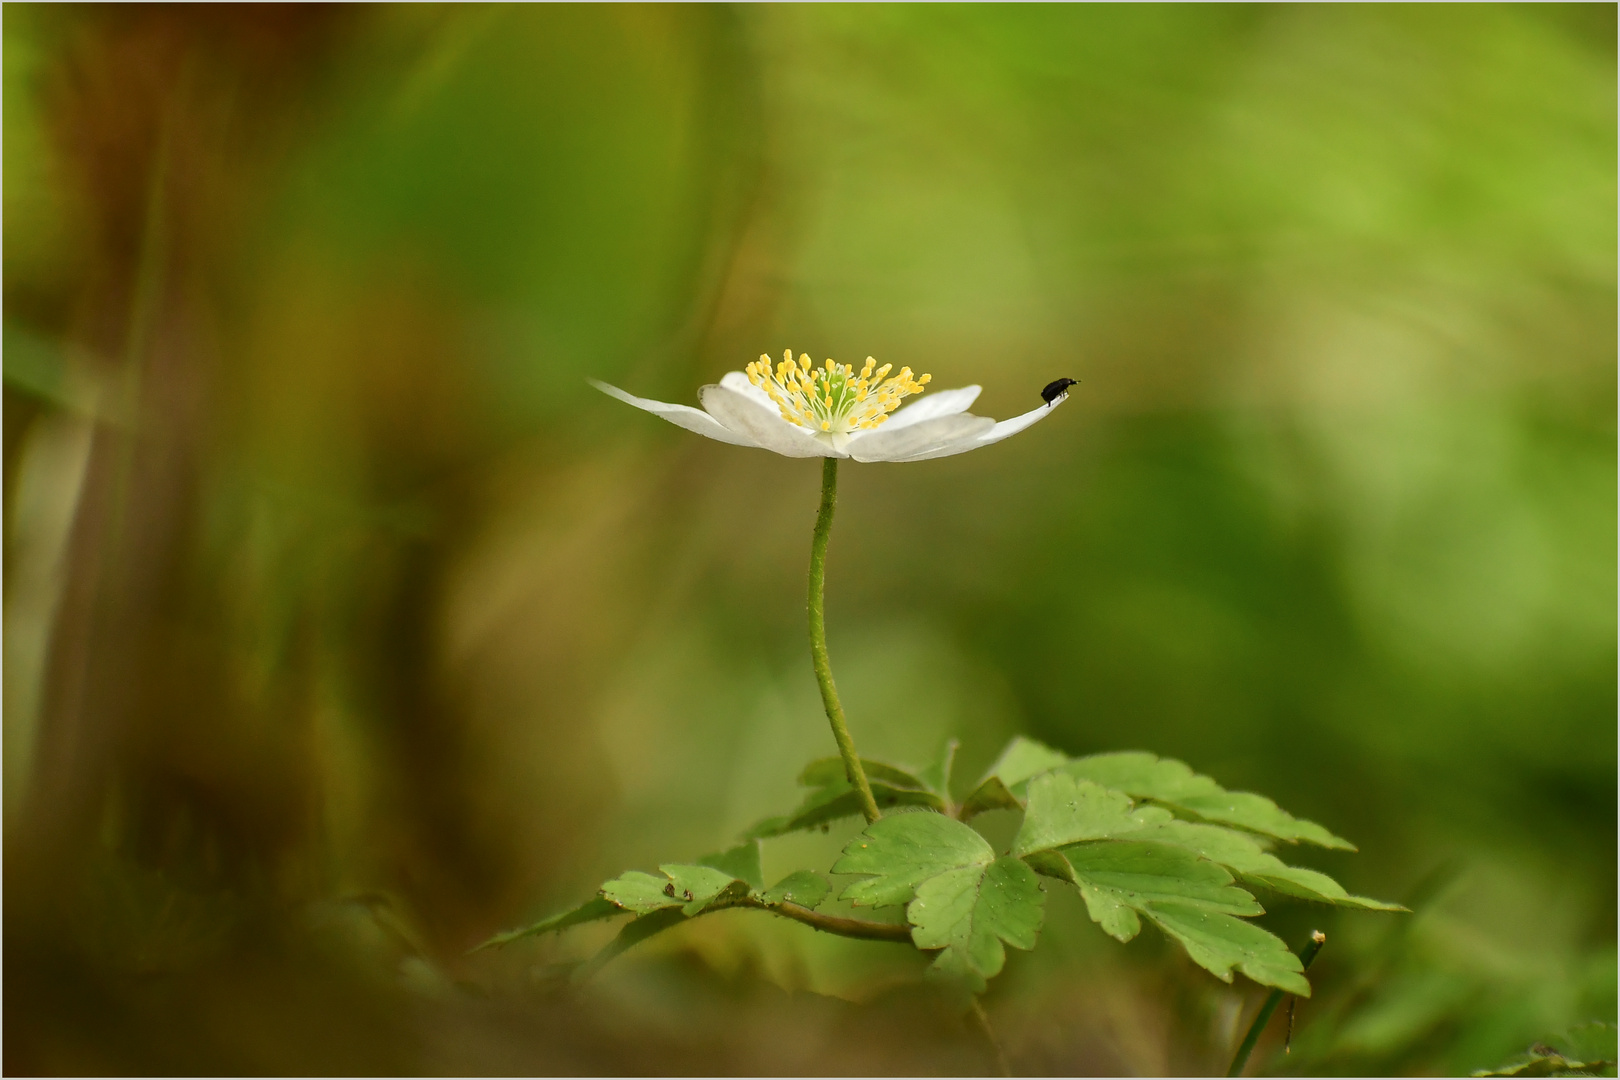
point(818, 640)
point(1241, 1058)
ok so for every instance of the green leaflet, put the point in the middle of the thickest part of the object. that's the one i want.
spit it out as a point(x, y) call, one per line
point(640, 892)
point(1173, 783)
point(1119, 878)
point(902, 851)
point(1241, 854)
point(1585, 1050)
point(1550, 1064)
point(1191, 898)
point(800, 887)
point(703, 886)
point(825, 771)
point(937, 776)
point(1051, 864)
point(833, 797)
point(1022, 759)
point(635, 931)
point(595, 908)
point(1064, 810)
point(970, 911)
point(991, 794)
point(1219, 943)
point(1592, 1041)
point(692, 888)
point(1142, 776)
point(1002, 787)
point(961, 898)
point(684, 891)
point(741, 862)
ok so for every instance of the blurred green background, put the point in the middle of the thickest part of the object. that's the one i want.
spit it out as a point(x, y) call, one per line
point(346, 625)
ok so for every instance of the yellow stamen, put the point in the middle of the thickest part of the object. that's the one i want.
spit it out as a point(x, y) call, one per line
point(833, 398)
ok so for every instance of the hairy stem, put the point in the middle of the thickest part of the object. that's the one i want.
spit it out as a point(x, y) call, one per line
point(818, 640)
point(1241, 1058)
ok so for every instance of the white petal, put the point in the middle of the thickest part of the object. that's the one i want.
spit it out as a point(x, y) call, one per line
point(925, 438)
point(736, 380)
point(996, 433)
point(762, 424)
point(1011, 427)
point(681, 415)
point(959, 446)
point(939, 403)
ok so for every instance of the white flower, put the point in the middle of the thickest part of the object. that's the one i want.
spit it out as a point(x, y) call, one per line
point(799, 410)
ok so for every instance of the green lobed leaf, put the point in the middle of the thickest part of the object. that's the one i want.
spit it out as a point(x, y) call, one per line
point(1585, 1050)
point(689, 887)
point(741, 862)
point(838, 799)
point(596, 908)
point(991, 794)
point(635, 931)
point(824, 771)
point(1550, 1064)
point(1051, 864)
point(641, 892)
point(1220, 943)
point(724, 875)
point(937, 776)
point(961, 899)
point(702, 886)
point(1003, 785)
point(1119, 878)
point(969, 911)
point(1243, 855)
point(901, 851)
point(1024, 758)
point(1594, 1041)
point(684, 890)
point(765, 828)
point(801, 887)
point(1146, 776)
point(1064, 810)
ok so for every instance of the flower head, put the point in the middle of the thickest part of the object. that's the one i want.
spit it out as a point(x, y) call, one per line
point(799, 410)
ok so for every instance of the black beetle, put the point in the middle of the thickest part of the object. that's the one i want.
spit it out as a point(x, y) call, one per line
point(1056, 388)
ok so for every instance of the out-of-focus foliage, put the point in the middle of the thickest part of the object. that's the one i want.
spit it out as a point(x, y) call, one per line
point(1586, 1050)
point(345, 624)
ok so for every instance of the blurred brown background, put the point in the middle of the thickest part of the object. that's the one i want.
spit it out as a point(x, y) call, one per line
point(346, 625)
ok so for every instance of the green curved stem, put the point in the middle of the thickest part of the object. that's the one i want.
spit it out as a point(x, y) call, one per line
point(818, 640)
point(1241, 1058)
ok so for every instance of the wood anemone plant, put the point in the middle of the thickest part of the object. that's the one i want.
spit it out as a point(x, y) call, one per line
point(1141, 837)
